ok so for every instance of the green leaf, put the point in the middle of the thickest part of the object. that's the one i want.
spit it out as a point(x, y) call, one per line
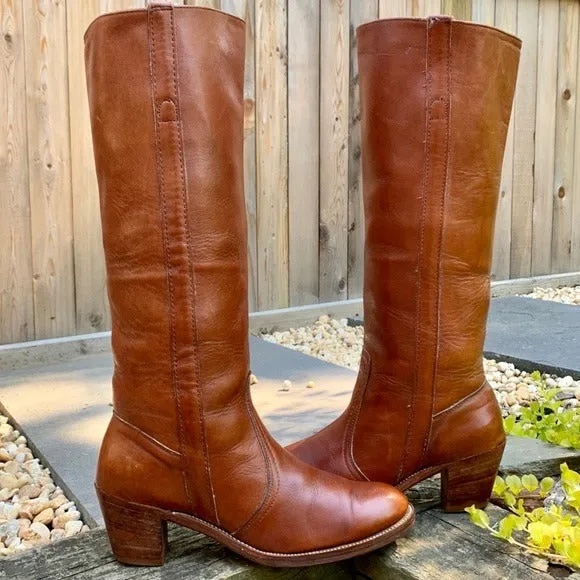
point(514, 483)
point(499, 486)
point(505, 528)
point(509, 423)
point(546, 486)
point(536, 376)
point(573, 499)
point(478, 517)
point(530, 482)
point(520, 510)
point(541, 535)
point(509, 498)
point(569, 477)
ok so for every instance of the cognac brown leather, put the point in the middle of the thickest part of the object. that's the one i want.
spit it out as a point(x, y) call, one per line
point(165, 92)
point(436, 97)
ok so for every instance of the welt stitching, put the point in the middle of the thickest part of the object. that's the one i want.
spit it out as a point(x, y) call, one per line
point(267, 463)
point(348, 443)
point(440, 241)
point(408, 515)
point(418, 293)
point(192, 284)
point(167, 254)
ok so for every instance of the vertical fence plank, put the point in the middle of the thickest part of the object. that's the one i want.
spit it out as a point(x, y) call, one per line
point(245, 9)
point(204, 3)
point(272, 153)
point(460, 9)
point(524, 127)
point(114, 5)
point(575, 193)
point(545, 136)
point(564, 196)
point(483, 11)
point(250, 152)
point(16, 304)
point(92, 312)
point(303, 149)
point(334, 90)
point(361, 11)
point(392, 8)
point(423, 8)
point(49, 167)
point(506, 19)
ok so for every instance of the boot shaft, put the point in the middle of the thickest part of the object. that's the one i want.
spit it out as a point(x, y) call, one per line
point(165, 90)
point(436, 97)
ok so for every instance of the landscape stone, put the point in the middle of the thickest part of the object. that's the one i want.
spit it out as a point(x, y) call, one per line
point(535, 334)
point(525, 455)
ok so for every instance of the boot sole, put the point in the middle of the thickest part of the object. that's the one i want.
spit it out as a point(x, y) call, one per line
point(138, 537)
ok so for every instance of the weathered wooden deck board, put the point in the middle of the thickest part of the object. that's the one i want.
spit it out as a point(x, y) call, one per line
point(441, 545)
point(191, 556)
point(447, 546)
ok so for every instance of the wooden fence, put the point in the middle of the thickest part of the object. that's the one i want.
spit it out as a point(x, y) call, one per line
point(302, 153)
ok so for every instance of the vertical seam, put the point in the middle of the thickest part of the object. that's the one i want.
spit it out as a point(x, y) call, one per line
point(192, 284)
point(418, 293)
point(273, 468)
point(440, 248)
point(267, 497)
point(354, 413)
point(167, 253)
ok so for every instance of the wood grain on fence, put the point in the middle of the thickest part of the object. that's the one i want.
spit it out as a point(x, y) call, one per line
point(303, 149)
point(16, 302)
point(301, 152)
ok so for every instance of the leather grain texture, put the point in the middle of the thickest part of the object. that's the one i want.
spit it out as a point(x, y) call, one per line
point(165, 92)
point(436, 98)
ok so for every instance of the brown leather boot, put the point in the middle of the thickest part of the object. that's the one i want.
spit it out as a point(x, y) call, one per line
point(436, 97)
point(185, 444)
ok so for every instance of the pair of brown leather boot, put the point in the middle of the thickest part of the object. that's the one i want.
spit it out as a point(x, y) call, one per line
point(185, 444)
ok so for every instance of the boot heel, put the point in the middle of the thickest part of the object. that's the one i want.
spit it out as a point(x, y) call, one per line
point(470, 482)
point(137, 534)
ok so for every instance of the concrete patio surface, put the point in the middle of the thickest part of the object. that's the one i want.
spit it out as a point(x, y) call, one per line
point(535, 334)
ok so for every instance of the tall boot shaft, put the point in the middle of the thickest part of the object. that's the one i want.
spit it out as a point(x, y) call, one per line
point(165, 92)
point(436, 97)
point(185, 443)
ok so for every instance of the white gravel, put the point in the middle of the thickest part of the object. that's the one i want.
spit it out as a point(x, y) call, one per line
point(33, 510)
point(565, 294)
point(336, 342)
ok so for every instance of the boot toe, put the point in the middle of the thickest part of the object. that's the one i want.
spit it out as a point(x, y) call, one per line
point(377, 506)
point(316, 510)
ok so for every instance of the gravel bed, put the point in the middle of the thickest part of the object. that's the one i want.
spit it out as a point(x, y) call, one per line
point(335, 341)
point(33, 510)
point(565, 294)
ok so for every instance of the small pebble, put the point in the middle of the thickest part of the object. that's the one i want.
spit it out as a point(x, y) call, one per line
point(45, 516)
point(29, 498)
point(565, 294)
point(72, 528)
point(41, 530)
